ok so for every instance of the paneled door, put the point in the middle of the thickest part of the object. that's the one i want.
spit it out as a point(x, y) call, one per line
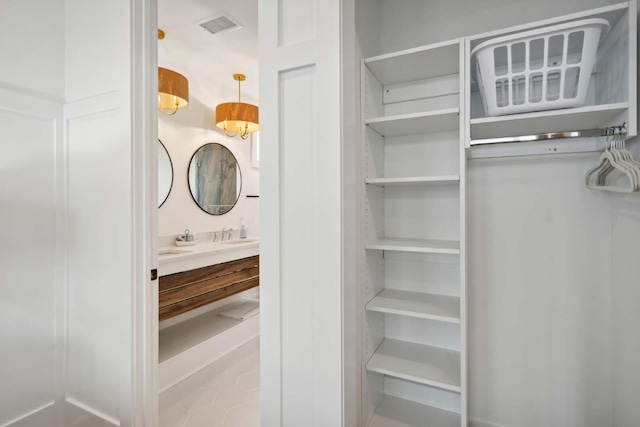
point(300, 216)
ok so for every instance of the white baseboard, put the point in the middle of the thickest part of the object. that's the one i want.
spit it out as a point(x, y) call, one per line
point(29, 417)
point(95, 413)
point(63, 413)
point(475, 422)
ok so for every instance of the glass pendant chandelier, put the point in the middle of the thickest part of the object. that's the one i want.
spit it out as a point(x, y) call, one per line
point(237, 118)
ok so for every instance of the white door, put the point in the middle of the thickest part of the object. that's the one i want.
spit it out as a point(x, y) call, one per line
point(76, 209)
point(300, 192)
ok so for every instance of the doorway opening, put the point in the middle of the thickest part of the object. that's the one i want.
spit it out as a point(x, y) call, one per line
point(208, 228)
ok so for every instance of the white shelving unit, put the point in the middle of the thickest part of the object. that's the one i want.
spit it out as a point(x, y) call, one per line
point(415, 123)
point(414, 198)
point(422, 364)
point(417, 304)
point(427, 246)
point(594, 116)
point(611, 97)
point(396, 412)
point(421, 108)
point(420, 63)
point(414, 181)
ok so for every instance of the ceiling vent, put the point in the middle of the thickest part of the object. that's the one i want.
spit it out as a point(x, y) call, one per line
point(219, 23)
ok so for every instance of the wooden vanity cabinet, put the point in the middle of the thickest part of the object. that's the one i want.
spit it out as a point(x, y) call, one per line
point(188, 290)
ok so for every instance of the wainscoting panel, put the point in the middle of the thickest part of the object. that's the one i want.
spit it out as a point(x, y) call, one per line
point(30, 331)
point(297, 21)
point(99, 272)
point(300, 190)
point(298, 218)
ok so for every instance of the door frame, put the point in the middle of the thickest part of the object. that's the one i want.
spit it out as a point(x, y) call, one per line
point(144, 137)
point(321, 53)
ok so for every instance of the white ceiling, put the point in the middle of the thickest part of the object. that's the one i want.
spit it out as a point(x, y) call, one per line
point(207, 60)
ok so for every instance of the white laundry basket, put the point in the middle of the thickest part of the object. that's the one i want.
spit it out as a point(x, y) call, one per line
point(542, 69)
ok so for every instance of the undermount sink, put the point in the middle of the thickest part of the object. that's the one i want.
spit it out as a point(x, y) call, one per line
point(172, 251)
point(238, 241)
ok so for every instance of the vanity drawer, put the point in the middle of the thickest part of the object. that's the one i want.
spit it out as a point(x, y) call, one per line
point(188, 290)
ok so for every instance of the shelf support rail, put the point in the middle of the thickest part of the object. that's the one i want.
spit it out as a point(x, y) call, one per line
point(606, 132)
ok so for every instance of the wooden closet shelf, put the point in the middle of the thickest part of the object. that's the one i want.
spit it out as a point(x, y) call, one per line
point(432, 366)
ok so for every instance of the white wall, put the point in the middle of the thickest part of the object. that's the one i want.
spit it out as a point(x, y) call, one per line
point(33, 47)
point(540, 294)
point(91, 33)
point(625, 245)
point(31, 291)
point(182, 134)
point(192, 127)
point(420, 22)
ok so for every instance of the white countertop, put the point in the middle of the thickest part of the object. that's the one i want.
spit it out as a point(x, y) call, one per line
point(184, 258)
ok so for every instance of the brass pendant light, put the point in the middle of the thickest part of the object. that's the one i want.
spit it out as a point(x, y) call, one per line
point(173, 88)
point(237, 118)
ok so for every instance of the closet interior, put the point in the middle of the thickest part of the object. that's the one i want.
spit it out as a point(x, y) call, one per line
point(432, 147)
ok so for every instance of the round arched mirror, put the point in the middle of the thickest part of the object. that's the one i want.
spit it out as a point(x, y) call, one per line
point(165, 174)
point(215, 180)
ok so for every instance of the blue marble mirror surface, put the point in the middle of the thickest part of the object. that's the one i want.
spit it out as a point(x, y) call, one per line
point(214, 179)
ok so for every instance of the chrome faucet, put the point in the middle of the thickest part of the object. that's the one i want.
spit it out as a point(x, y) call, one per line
point(222, 238)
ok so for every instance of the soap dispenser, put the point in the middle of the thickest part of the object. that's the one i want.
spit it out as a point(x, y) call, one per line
point(243, 231)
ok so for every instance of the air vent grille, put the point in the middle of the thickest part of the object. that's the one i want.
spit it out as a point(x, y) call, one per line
point(220, 23)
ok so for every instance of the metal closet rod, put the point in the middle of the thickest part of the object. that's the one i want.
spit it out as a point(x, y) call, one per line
point(608, 131)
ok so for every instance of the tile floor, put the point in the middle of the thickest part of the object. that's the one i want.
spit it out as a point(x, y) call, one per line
point(224, 394)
